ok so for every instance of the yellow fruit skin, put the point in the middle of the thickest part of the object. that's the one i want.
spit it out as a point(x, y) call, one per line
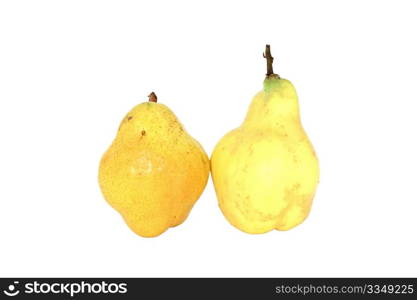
point(153, 172)
point(266, 172)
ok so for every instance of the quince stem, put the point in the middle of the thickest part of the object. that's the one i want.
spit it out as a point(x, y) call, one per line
point(269, 61)
point(152, 97)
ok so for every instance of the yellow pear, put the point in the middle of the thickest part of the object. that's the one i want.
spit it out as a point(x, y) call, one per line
point(154, 171)
point(266, 172)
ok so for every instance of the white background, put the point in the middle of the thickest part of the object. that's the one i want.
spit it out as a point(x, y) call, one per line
point(70, 71)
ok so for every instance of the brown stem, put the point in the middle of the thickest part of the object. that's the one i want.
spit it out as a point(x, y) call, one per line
point(152, 97)
point(269, 61)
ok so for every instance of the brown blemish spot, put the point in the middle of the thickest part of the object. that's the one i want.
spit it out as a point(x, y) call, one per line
point(143, 133)
point(129, 118)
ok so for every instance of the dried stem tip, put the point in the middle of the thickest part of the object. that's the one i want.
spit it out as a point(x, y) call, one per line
point(152, 97)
